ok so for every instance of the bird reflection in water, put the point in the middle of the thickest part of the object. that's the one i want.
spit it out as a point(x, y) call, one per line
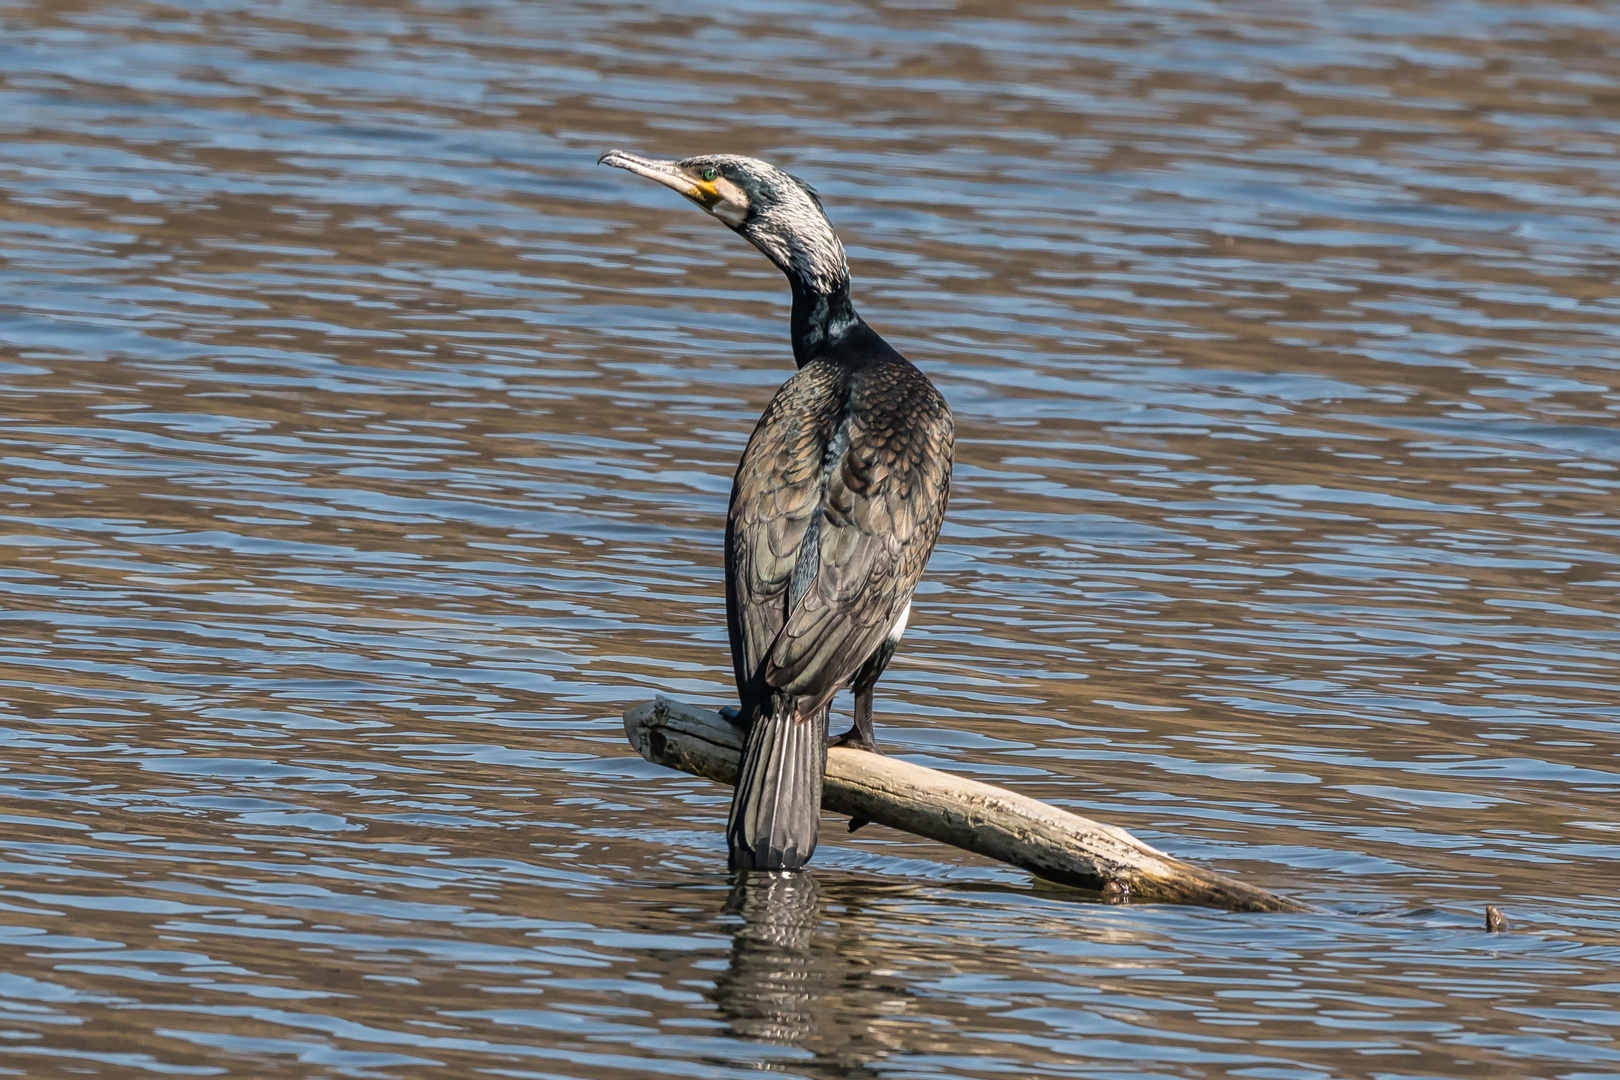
point(776, 976)
point(803, 972)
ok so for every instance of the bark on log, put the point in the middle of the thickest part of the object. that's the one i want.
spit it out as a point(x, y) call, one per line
point(1048, 842)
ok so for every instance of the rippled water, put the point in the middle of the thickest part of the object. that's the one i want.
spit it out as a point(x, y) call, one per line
point(366, 451)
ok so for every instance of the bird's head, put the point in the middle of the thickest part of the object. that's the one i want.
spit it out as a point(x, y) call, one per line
point(775, 212)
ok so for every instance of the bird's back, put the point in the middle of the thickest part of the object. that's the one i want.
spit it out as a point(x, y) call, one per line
point(835, 508)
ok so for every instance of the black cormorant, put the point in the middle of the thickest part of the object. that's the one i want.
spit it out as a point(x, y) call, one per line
point(835, 508)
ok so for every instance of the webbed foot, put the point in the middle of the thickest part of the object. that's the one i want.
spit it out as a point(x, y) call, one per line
point(854, 741)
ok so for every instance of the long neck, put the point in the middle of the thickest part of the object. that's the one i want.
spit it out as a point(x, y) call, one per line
point(795, 235)
point(820, 318)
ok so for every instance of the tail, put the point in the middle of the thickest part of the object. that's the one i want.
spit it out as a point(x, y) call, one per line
point(776, 812)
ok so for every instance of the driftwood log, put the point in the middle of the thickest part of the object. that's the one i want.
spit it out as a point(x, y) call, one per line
point(1048, 842)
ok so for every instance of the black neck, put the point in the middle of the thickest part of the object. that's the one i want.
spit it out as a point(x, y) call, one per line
point(820, 319)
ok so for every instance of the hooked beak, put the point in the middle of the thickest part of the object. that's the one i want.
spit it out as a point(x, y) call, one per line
point(668, 173)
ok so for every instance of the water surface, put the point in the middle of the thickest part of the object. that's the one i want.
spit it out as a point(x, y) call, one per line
point(366, 451)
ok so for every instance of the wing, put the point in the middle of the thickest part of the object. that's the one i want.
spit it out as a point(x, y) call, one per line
point(774, 498)
point(887, 478)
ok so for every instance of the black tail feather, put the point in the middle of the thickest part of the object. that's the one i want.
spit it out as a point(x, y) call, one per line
point(776, 811)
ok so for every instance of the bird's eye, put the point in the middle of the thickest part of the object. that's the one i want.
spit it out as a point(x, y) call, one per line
point(709, 174)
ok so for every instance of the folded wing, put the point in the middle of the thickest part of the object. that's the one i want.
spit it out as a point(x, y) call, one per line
point(837, 504)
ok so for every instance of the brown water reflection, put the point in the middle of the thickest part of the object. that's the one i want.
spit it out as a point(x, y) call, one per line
point(366, 451)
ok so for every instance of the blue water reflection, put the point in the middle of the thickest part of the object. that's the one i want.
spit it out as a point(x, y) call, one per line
point(366, 451)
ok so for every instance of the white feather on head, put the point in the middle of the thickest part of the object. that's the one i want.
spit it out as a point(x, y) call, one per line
point(781, 216)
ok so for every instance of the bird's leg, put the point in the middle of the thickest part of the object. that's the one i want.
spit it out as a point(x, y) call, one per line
point(860, 737)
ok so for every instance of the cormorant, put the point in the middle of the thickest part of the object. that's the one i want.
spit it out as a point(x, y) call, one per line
point(835, 508)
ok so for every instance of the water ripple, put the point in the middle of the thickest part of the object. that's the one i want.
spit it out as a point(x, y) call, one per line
point(365, 452)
